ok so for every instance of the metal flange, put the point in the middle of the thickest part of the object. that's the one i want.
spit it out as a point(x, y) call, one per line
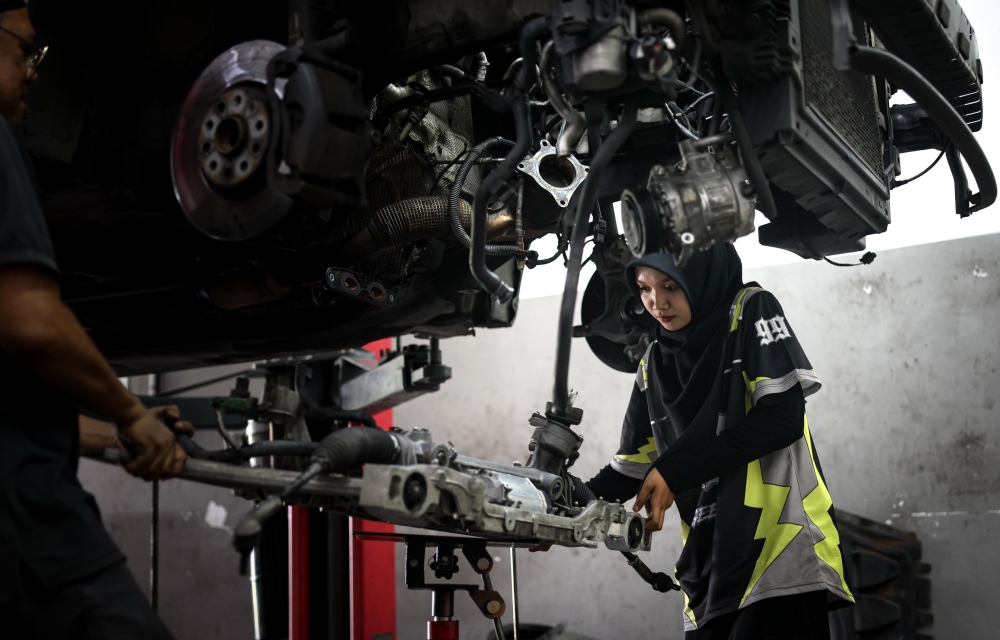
point(561, 177)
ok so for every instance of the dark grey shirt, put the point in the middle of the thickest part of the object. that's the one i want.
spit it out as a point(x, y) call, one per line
point(48, 523)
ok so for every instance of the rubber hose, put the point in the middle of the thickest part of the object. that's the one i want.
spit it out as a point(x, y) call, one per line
point(530, 34)
point(327, 413)
point(659, 581)
point(496, 179)
point(350, 448)
point(455, 201)
point(492, 184)
point(667, 18)
point(585, 206)
point(962, 192)
point(876, 62)
point(581, 492)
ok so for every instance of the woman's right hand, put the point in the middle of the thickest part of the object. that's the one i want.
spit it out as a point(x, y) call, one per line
point(657, 497)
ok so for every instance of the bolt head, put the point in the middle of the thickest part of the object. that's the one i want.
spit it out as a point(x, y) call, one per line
point(493, 607)
point(483, 564)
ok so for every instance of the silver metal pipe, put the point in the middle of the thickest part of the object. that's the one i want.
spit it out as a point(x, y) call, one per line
point(154, 549)
point(718, 139)
point(522, 472)
point(575, 124)
point(233, 476)
point(513, 589)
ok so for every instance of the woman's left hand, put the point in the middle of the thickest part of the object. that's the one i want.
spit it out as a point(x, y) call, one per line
point(657, 497)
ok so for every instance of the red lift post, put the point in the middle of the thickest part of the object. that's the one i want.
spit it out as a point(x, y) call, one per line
point(373, 566)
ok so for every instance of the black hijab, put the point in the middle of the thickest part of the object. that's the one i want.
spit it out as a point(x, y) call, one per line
point(684, 365)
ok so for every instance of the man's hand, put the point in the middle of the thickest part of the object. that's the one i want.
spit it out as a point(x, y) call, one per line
point(158, 456)
point(657, 497)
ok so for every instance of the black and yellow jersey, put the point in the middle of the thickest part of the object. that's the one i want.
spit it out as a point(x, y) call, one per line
point(767, 528)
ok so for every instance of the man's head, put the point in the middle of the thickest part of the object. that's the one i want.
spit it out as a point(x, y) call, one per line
point(17, 39)
point(663, 298)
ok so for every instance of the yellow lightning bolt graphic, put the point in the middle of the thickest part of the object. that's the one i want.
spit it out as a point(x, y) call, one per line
point(642, 457)
point(688, 611)
point(770, 498)
point(817, 506)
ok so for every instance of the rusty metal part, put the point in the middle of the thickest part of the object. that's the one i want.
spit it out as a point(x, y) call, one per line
point(498, 223)
point(234, 136)
point(239, 290)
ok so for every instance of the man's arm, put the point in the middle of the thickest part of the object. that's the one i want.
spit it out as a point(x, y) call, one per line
point(97, 435)
point(41, 334)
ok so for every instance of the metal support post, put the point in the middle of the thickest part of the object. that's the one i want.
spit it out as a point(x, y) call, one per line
point(154, 549)
point(513, 588)
point(298, 573)
point(442, 626)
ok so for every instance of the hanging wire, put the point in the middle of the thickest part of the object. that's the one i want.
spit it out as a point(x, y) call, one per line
point(899, 183)
point(449, 165)
point(677, 123)
point(866, 259)
point(694, 105)
point(204, 383)
point(560, 251)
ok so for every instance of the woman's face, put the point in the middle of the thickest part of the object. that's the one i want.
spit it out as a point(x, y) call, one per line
point(663, 298)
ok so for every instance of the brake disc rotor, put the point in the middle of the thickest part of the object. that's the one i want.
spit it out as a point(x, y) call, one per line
point(217, 158)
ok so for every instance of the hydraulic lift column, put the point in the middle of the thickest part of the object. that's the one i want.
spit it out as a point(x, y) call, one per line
point(373, 565)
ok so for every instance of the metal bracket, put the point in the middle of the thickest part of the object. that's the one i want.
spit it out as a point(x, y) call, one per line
point(546, 165)
point(359, 287)
point(405, 375)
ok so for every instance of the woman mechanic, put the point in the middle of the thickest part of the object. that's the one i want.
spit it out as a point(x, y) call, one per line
point(717, 425)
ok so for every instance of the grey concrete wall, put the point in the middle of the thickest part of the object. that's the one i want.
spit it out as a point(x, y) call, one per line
point(905, 425)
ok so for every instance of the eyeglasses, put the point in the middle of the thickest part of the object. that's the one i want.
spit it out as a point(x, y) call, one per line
point(35, 53)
